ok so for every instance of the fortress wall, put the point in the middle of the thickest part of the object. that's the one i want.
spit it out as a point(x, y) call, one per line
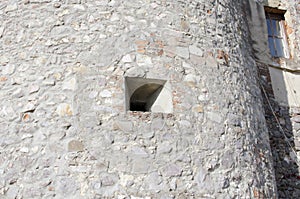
point(66, 131)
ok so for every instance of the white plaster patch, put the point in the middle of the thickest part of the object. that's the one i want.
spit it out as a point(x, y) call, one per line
point(105, 93)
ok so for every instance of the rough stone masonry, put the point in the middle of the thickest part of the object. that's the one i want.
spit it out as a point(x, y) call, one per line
point(66, 131)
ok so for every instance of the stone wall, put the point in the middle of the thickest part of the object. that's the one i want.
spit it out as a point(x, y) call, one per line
point(283, 126)
point(65, 131)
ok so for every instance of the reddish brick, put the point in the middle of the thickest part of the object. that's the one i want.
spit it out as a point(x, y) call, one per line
point(141, 42)
point(141, 50)
point(3, 79)
point(160, 52)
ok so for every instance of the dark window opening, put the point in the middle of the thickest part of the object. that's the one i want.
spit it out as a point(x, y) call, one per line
point(277, 40)
point(144, 97)
point(148, 95)
point(138, 106)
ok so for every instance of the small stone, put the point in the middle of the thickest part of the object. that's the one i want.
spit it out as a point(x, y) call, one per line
point(97, 185)
point(140, 152)
point(16, 81)
point(164, 148)
point(227, 160)
point(26, 135)
point(148, 134)
point(1, 32)
point(61, 31)
point(296, 119)
point(109, 179)
point(173, 184)
point(190, 78)
point(182, 52)
point(3, 79)
point(8, 69)
point(34, 89)
point(153, 181)
point(64, 110)
point(211, 62)
point(186, 65)
point(75, 145)
point(198, 108)
point(201, 175)
point(233, 119)
point(296, 126)
point(11, 7)
point(226, 183)
point(86, 39)
point(102, 36)
point(111, 3)
point(65, 185)
point(157, 124)
point(195, 50)
point(93, 94)
point(70, 84)
point(107, 182)
point(114, 17)
point(126, 180)
point(202, 97)
point(105, 94)
point(127, 59)
point(8, 112)
point(140, 166)
point(170, 51)
point(184, 124)
point(136, 197)
point(282, 121)
point(24, 150)
point(18, 93)
point(126, 126)
point(130, 18)
point(35, 149)
point(49, 82)
point(172, 170)
point(40, 61)
point(214, 116)
point(197, 60)
point(143, 60)
point(56, 5)
point(78, 6)
point(26, 117)
point(12, 191)
point(135, 72)
point(81, 69)
point(141, 43)
point(57, 76)
point(29, 107)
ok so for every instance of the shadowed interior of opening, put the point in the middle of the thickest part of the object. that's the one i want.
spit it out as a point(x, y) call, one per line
point(143, 98)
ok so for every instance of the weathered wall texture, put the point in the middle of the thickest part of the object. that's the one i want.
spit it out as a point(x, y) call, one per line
point(286, 87)
point(280, 79)
point(64, 128)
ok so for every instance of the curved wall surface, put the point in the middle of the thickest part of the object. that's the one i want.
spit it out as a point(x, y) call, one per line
point(66, 129)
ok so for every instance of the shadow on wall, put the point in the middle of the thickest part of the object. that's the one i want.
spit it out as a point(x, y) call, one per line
point(282, 139)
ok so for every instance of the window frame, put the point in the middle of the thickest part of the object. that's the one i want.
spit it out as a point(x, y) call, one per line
point(277, 15)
